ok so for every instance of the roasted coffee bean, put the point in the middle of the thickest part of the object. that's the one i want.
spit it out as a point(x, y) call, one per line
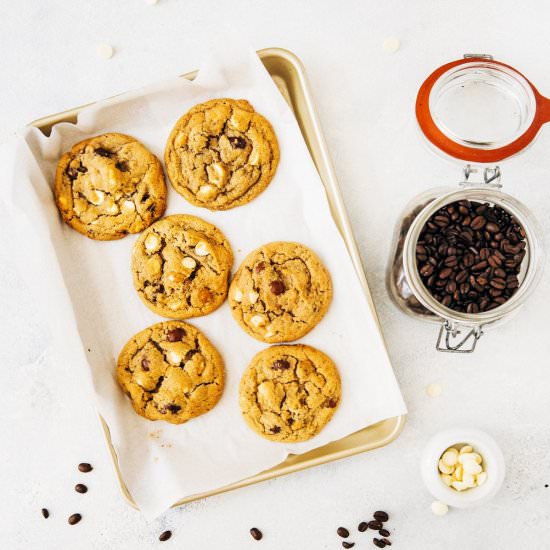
point(469, 254)
point(256, 533)
point(375, 524)
point(387, 542)
point(381, 516)
point(85, 467)
point(45, 513)
point(74, 519)
point(347, 544)
point(378, 542)
point(175, 335)
point(80, 488)
point(342, 532)
point(163, 537)
point(384, 532)
point(363, 526)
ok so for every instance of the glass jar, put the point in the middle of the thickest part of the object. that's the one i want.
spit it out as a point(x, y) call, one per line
point(480, 111)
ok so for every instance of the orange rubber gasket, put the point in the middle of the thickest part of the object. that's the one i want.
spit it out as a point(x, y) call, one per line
point(471, 154)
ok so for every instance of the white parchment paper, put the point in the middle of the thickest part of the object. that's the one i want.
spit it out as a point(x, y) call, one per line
point(85, 289)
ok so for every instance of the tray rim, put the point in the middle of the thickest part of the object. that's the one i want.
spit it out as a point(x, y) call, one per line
point(324, 166)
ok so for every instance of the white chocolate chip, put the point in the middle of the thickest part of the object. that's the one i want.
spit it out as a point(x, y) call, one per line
point(201, 249)
point(188, 262)
point(472, 467)
point(444, 469)
point(447, 479)
point(269, 333)
point(469, 480)
point(253, 297)
point(481, 478)
point(105, 51)
point(207, 191)
point(152, 242)
point(466, 449)
point(113, 209)
point(96, 197)
point(173, 357)
point(391, 44)
point(237, 295)
point(257, 320)
point(254, 158)
point(459, 485)
point(128, 206)
point(457, 474)
point(450, 458)
point(439, 508)
point(216, 173)
point(464, 457)
point(433, 390)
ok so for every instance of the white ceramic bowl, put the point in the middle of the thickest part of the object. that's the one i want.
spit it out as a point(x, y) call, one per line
point(493, 462)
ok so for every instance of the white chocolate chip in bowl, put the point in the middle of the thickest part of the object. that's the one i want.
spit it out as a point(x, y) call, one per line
point(463, 467)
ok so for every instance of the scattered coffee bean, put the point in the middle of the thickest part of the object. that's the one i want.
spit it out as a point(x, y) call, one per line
point(363, 526)
point(347, 544)
point(85, 467)
point(74, 519)
point(256, 533)
point(379, 543)
point(384, 532)
point(386, 542)
point(81, 488)
point(469, 256)
point(45, 513)
point(342, 532)
point(163, 537)
point(381, 516)
point(375, 525)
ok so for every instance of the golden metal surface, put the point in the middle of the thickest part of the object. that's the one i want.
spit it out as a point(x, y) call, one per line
point(288, 73)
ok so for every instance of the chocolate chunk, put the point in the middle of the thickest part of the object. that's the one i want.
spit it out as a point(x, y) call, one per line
point(163, 537)
point(45, 513)
point(347, 544)
point(277, 287)
point(237, 142)
point(81, 488)
point(74, 519)
point(122, 165)
point(145, 364)
point(190, 354)
point(342, 532)
point(331, 403)
point(260, 267)
point(102, 152)
point(281, 364)
point(275, 429)
point(72, 173)
point(85, 467)
point(82, 169)
point(381, 516)
point(363, 526)
point(256, 533)
point(173, 408)
point(175, 335)
point(145, 196)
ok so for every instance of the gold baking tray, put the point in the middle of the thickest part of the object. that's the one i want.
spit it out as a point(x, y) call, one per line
point(287, 71)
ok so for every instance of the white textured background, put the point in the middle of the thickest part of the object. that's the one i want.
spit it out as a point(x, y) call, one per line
point(365, 97)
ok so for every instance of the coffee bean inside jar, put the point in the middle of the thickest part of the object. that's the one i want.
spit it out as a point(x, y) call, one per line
point(469, 256)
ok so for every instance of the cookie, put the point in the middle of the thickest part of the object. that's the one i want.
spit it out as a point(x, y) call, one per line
point(289, 393)
point(181, 267)
point(280, 292)
point(171, 371)
point(108, 186)
point(221, 154)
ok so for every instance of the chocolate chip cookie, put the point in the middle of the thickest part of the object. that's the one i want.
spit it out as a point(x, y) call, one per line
point(289, 393)
point(108, 186)
point(280, 292)
point(221, 154)
point(171, 371)
point(181, 266)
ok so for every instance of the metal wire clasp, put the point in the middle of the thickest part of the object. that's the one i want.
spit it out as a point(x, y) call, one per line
point(453, 343)
point(491, 176)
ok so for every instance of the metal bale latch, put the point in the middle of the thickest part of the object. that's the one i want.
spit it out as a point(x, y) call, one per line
point(454, 342)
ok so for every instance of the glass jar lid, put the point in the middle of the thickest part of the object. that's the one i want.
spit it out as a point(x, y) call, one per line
point(480, 110)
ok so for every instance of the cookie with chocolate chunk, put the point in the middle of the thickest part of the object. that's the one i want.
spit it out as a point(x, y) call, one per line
point(289, 393)
point(171, 371)
point(108, 186)
point(181, 266)
point(221, 154)
point(280, 292)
